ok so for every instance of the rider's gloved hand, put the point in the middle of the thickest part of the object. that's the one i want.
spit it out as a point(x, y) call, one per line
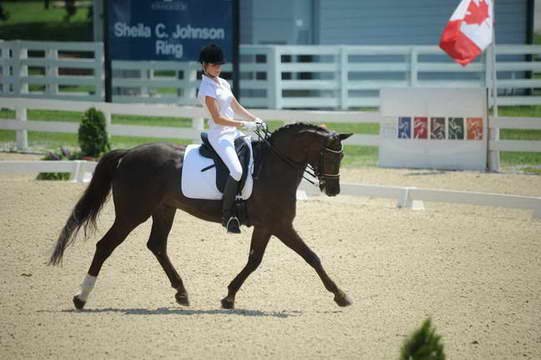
point(260, 123)
point(249, 125)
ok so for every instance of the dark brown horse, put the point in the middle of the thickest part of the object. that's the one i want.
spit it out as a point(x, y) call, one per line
point(145, 183)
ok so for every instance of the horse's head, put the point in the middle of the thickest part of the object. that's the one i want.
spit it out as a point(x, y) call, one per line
point(324, 152)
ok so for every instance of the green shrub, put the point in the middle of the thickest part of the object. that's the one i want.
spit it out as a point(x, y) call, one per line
point(423, 344)
point(62, 154)
point(93, 138)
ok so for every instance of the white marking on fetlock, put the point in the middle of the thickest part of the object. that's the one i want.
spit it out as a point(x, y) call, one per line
point(86, 287)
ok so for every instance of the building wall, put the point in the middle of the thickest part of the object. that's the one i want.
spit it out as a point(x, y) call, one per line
point(419, 22)
point(281, 22)
point(357, 22)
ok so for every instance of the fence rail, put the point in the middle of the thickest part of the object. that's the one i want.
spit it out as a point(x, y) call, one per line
point(80, 170)
point(406, 196)
point(275, 77)
point(52, 70)
point(21, 124)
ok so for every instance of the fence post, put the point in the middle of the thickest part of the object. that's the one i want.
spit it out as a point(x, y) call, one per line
point(190, 81)
point(493, 155)
point(99, 72)
point(275, 77)
point(23, 70)
point(493, 132)
point(4, 67)
point(198, 124)
point(75, 173)
point(16, 67)
point(108, 122)
point(406, 202)
point(343, 61)
point(22, 135)
point(413, 67)
point(52, 71)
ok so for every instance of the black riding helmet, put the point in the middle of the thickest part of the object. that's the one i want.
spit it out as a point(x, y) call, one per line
point(211, 54)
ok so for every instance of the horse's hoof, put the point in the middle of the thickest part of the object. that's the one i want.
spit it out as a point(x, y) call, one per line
point(227, 303)
point(182, 299)
point(79, 304)
point(342, 300)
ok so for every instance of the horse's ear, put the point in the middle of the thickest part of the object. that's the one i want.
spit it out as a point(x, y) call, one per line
point(344, 136)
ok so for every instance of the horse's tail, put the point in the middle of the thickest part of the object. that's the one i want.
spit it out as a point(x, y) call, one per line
point(89, 205)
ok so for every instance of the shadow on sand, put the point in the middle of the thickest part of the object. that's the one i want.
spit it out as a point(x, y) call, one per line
point(179, 311)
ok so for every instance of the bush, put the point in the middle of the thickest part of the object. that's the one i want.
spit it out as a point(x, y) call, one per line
point(93, 138)
point(423, 344)
point(62, 154)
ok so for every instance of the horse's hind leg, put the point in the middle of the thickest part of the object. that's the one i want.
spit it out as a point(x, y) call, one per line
point(260, 239)
point(114, 237)
point(162, 220)
point(292, 240)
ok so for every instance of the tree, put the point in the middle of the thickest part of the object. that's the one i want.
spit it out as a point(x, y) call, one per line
point(423, 344)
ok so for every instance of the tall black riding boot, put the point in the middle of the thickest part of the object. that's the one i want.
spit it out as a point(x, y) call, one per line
point(230, 221)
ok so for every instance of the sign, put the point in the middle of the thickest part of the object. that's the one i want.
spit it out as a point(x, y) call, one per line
point(168, 29)
point(434, 128)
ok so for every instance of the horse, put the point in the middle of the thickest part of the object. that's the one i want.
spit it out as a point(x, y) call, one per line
point(145, 182)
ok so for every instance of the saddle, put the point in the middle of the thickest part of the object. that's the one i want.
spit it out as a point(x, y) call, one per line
point(222, 172)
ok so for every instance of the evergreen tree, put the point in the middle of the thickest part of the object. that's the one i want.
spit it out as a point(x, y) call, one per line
point(93, 138)
point(423, 344)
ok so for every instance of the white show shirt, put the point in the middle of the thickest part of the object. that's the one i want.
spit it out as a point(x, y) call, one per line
point(221, 91)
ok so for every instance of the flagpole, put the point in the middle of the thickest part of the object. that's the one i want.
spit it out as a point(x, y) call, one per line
point(494, 134)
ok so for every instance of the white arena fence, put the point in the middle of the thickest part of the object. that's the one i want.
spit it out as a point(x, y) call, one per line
point(80, 170)
point(272, 76)
point(22, 125)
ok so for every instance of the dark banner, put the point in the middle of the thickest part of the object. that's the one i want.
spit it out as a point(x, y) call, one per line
point(168, 29)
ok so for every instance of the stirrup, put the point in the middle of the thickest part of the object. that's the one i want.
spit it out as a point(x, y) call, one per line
point(233, 225)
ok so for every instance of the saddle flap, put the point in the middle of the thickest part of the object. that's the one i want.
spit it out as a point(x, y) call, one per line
point(243, 151)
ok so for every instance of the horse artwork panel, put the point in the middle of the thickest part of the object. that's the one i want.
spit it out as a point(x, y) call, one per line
point(144, 182)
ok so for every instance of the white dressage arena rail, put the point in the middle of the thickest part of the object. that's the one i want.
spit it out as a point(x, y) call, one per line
point(80, 170)
point(407, 197)
point(412, 197)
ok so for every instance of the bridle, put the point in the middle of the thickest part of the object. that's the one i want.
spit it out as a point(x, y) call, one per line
point(318, 173)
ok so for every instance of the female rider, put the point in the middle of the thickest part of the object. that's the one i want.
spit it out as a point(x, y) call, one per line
point(217, 99)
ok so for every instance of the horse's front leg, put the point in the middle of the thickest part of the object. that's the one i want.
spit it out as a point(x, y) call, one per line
point(291, 239)
point(260, 239)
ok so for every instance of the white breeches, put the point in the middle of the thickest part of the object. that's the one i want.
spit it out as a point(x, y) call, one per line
point(224, 145)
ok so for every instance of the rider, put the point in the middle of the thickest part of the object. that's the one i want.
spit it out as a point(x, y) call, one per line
point(217, 99)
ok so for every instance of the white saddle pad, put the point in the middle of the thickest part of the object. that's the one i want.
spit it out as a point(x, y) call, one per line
point(196, 184)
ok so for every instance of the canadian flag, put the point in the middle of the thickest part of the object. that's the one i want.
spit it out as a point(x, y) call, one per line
point(469, 31)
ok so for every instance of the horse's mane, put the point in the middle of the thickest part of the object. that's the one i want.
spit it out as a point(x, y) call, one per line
point(295, 127)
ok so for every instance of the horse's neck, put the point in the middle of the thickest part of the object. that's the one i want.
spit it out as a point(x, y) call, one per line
point(280, 164)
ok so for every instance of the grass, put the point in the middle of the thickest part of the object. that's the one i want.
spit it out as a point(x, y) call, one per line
point(28, 20)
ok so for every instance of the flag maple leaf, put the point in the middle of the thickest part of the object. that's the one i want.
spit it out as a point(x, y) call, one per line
point(477, 14)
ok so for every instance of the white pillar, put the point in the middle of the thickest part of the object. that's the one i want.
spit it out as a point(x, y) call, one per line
point(22, 135)
point(198, 124)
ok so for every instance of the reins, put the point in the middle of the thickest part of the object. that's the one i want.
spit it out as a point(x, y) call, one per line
point(263, 134)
